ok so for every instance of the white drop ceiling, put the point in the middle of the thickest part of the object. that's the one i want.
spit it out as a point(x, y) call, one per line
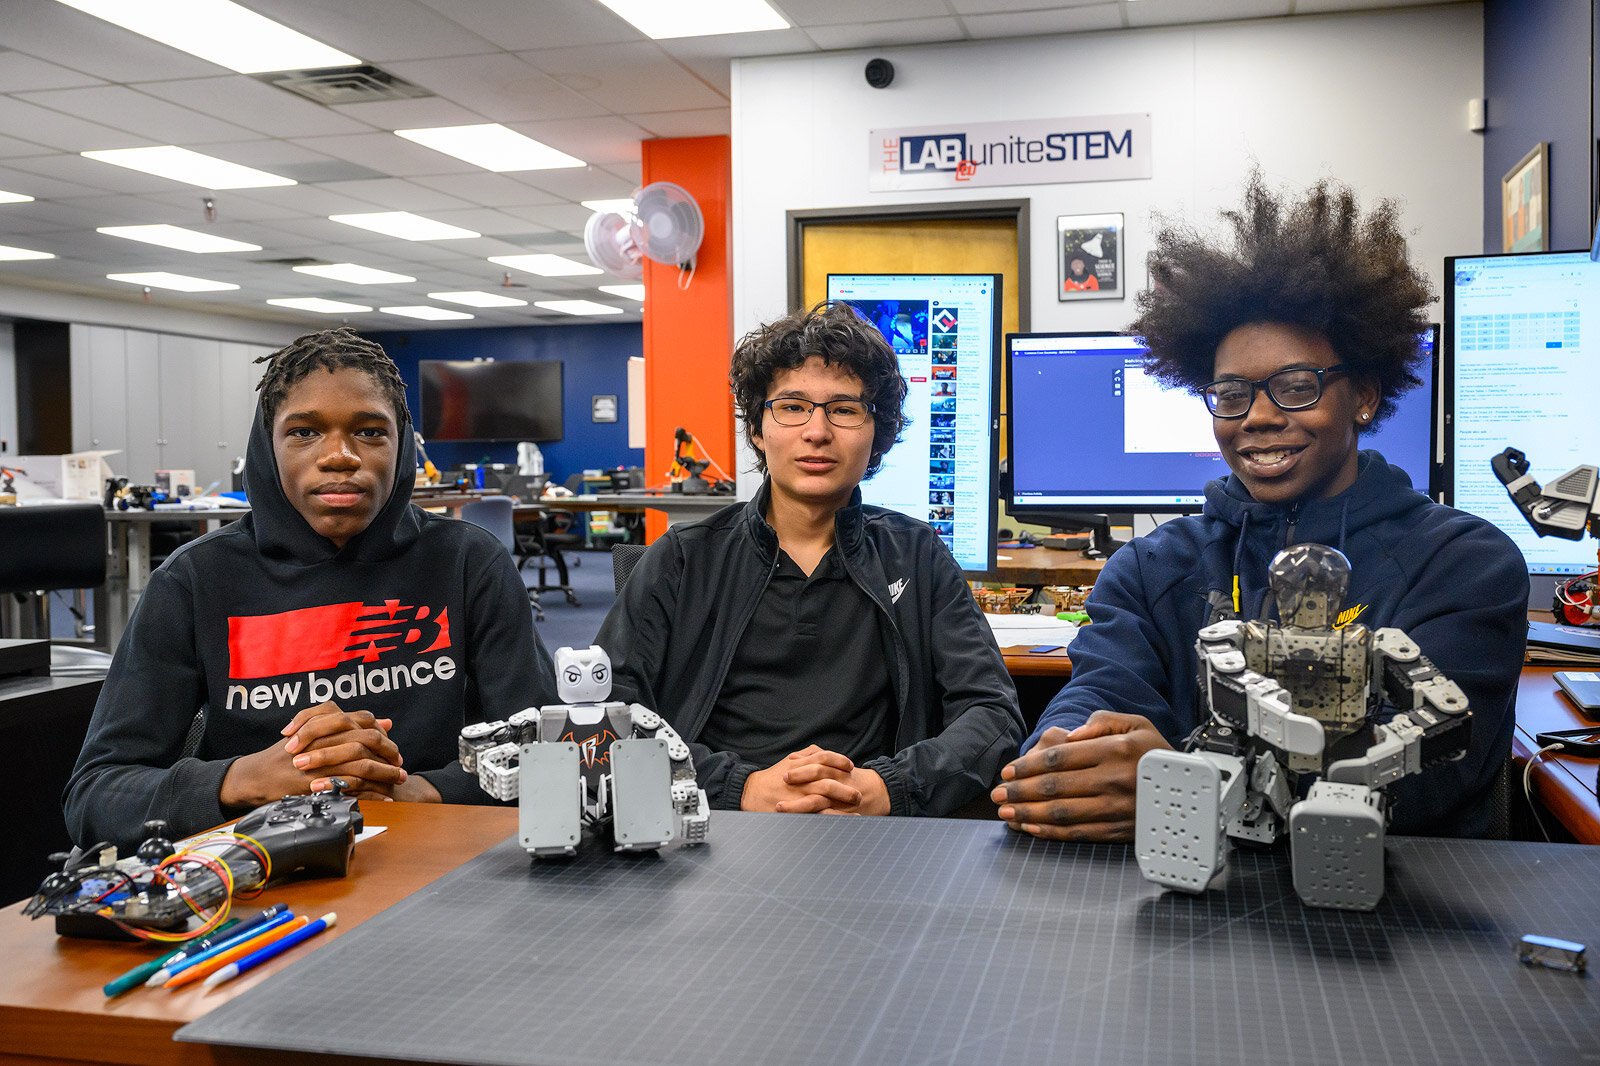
point(566, 72)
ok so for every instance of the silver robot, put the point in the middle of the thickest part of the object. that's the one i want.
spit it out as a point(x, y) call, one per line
point(589, 762)
point(1291, 704)
point(1566, 508)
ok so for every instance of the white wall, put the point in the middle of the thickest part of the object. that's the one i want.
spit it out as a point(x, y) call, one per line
point(17, 301)
point(1375, 99)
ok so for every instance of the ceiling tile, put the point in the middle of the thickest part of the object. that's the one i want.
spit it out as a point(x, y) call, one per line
point(711, 122)
point(631, 173)
point(589, 183)
point(66, 133)
point(809, 13)
point(255, 105)
point(21, 73)
point(486, 189)
point(567, 218)
point(411, 114)
point(627, 77)
point(517, 25)
point(319, 200)
point(397, 194)
point(491, 223)
point(93, 174)
point(1032, 23)
point(58, 34)
point(125, 109)
point(605, 139)
point(11, 148)
point(1173, 12)
point(991, 7)
point(387, 153)
point(392, 29)
point(499, 85)
point(878, 34)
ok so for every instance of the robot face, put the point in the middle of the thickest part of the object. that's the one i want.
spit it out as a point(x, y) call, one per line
point(583, 676)
point(1309, 582)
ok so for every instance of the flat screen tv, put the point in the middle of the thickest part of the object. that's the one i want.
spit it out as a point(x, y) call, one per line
point(506, 400)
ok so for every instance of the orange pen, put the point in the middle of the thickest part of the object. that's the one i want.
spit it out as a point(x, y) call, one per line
point(206, 969)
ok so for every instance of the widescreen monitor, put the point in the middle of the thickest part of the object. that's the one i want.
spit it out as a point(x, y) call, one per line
point(504, 400)
point(946, 330)
point(1522, 332)
point(1090, 431)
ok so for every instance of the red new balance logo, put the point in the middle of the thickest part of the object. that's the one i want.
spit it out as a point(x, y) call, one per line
point(320, 638)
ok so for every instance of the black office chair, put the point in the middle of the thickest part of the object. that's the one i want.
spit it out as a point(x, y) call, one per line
point(494, 514)
point(624, 557)
point(44, 549)
point(558, 530)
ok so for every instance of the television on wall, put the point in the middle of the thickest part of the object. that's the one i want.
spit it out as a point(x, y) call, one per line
point(507, 400)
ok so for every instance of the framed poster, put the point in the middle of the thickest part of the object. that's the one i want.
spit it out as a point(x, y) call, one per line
point(602, 408)
point(1525, 203)
point(1089, 257)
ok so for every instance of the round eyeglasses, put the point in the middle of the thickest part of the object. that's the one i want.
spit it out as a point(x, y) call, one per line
point(1292, 390)
point(846, 414)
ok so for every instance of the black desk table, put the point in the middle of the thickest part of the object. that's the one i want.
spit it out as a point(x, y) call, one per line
point(867, 940)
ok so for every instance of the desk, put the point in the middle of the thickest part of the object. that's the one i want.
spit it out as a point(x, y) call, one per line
point(128, 562)
point(1044, 566)
point(50, 999)
point(1564, 784)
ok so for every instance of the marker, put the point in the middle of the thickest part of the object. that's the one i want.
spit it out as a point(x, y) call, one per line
point(235, 938)
point(141, 973)
point(271, 951)
point(210, 966)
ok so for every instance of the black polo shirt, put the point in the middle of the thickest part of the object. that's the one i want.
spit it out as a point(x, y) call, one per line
point(810, 669)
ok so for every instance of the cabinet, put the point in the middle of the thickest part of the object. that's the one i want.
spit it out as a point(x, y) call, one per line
point(162, 401)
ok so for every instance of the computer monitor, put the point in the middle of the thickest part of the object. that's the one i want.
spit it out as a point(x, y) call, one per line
point(1522, 332)
point(946, 330)
point(1090, 431)
point(508, 399)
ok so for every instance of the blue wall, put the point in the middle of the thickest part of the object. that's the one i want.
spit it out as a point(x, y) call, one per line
point(1538, 80)
point(595, 363)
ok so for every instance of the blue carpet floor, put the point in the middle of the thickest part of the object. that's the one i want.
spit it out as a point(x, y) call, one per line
point(564, 625)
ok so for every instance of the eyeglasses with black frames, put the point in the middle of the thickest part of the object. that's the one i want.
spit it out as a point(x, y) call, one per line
point(1292, 390)
point(845, 414)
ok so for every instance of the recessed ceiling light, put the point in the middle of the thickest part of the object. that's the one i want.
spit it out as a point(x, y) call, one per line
point(477, 299)
point(426, 313)
point(627, 292)
point(623, 206)
point(11, 254)
point(219, 31)
point(319, 305)
point(665, 19)
point(185, 240)
point(492, 147)
point(180, 164)
point(160, 279)
point(14, 198)
point(405, 225)
point(577, 307)
point(545, 265)
point(354, 274)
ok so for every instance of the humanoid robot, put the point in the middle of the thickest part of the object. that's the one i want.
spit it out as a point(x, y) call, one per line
point(1288, 704)
point(1565, 507)
point(589, 762)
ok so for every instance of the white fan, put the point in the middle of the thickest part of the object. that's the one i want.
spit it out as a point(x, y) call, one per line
point(668, 226)
point(609, 239)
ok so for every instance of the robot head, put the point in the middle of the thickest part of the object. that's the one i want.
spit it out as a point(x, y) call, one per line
point(1309, 582)
point(583, 676)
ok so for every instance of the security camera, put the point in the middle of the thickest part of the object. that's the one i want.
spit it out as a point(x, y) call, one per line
point(880, 73)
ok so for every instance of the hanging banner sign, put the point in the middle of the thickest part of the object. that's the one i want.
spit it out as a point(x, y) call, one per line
point(1033, 152)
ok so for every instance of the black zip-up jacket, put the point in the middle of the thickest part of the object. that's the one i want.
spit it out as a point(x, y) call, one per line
point(673, 633)
point(265, 617)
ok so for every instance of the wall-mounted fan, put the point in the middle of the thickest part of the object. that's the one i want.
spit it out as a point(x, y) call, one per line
point(666, 226)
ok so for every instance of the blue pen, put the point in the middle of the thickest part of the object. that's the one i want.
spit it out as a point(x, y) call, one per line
point(253, 928)
point(271, 951)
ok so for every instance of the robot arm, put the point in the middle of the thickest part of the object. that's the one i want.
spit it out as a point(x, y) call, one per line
point(1565, 508)
point(1433, 724)
point(1243, 701)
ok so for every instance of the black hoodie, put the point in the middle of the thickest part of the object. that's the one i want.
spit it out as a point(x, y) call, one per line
point(418, 618)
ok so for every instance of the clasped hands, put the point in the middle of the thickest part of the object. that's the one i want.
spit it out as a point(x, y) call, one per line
point(324, 742)
point(815, 781)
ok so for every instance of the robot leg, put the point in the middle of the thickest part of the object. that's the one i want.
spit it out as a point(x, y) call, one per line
point(1185, 801)
point(1336, 843)
point(642, 815)
point(552, 799)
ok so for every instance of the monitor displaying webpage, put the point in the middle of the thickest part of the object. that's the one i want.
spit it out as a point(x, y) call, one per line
point(1091, 430)
point(944, 328)
point(1523, 375)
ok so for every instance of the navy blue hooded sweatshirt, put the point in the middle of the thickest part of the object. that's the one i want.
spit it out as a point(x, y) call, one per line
point(1454, 583)
point(419, 618)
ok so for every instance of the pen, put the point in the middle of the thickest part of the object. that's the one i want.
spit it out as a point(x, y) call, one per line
point(271, 951)
point(141, 973)
point(267, 919)
point(209, 966)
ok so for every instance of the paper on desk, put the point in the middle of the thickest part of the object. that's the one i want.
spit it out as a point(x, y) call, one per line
point(1013, 630)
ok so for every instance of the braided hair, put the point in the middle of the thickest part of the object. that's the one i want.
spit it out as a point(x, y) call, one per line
point(330, 349)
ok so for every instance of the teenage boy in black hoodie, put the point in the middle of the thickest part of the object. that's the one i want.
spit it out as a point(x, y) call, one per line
point(335, 631)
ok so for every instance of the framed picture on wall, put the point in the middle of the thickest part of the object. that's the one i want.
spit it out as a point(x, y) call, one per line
point(1089, 257)
point(1525, 203)
point(602, 408)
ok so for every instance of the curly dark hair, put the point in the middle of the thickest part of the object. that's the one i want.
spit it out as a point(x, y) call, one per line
point(1315, 263)
point(330, 349)
point(842, 338)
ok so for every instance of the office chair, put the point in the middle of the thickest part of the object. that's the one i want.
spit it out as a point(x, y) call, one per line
point(494, 514)
point(555, 531)
point(624, 557)
point(43, 549)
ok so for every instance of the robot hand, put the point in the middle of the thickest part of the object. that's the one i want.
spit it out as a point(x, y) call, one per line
point(1565, 508)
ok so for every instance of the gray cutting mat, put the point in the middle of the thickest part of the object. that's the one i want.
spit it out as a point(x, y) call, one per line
point(793, 939)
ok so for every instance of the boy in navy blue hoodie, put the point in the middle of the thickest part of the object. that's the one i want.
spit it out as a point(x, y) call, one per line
point(1298, 337)
point(336, 630)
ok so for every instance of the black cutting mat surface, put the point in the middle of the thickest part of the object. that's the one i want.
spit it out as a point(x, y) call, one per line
point(793, 939)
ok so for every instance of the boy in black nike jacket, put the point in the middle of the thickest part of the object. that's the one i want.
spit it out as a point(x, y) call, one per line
point(335, 631)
